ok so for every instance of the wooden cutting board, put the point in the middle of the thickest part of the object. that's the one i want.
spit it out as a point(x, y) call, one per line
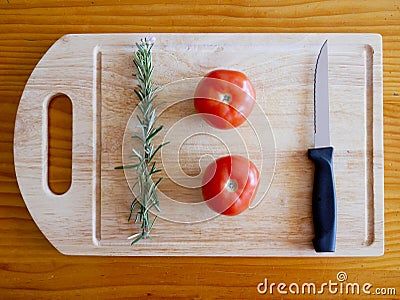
point(95, 72)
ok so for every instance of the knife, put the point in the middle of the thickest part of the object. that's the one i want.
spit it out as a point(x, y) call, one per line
point(324, 195)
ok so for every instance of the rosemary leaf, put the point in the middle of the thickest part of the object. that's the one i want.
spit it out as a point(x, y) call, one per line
point(139, 94)
point(132, 209)
point(157, 149)
point(153, 168)
point(127, 167)
point(138, 155)
point(154, 133)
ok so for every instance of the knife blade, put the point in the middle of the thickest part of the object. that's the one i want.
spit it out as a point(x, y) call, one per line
point(324, 194)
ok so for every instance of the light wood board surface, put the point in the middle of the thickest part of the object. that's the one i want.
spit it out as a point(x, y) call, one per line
point(31, 267)
point(95, 72)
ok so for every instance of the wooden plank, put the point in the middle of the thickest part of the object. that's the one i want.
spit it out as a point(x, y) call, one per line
point(97, 78)
point(29, 264)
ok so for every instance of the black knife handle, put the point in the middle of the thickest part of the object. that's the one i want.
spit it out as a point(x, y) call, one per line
point(323, 200)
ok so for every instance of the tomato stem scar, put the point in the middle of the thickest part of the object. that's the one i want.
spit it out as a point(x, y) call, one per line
point(226, 98)
point(231, 185)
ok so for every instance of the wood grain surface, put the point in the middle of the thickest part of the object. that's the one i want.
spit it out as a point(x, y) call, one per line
point(275, 137)
point(31, 268)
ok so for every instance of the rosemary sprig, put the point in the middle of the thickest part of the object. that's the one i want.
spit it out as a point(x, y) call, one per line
point(146, 91)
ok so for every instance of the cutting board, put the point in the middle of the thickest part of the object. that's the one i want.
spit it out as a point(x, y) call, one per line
point(95, 72)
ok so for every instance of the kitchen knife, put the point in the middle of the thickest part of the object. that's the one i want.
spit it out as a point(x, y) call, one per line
point(324, 195)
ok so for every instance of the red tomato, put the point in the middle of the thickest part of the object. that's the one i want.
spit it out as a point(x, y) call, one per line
point(225, 98)
point(229, 184)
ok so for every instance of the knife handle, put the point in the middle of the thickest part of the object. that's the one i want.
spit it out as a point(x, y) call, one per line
point(323, 200)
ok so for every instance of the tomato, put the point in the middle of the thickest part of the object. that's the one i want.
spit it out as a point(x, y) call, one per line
point(225, 98)
point(229, 184)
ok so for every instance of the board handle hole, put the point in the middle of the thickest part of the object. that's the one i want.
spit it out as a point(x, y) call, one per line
point(59, 144)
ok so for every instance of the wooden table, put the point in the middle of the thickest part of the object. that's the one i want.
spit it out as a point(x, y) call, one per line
point(31, 268)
